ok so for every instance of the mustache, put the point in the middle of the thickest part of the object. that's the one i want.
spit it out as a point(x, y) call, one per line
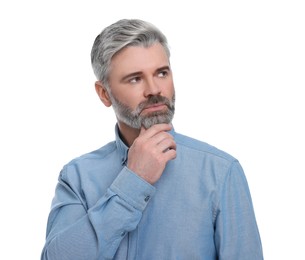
point(154, 100)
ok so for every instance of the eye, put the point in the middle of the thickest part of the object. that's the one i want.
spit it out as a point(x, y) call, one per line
point(162, 73)
point(135, 80)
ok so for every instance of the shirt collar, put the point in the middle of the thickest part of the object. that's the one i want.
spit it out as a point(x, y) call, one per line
point(123, 148)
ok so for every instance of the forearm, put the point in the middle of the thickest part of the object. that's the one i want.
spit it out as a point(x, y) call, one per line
point(78, 241)
point(97, 232)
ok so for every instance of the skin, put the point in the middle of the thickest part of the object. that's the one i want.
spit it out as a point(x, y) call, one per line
point(136, 74)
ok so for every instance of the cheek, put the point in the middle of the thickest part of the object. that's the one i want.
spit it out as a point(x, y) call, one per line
point(130, 99)
point(169, 91)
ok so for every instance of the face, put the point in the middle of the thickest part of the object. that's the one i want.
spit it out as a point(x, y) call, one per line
point(142, 89)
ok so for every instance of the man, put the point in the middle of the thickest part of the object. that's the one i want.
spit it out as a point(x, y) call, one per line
point(152, 194)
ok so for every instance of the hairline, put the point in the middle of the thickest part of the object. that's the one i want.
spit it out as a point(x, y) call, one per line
point(113, 40)
point(124, 47)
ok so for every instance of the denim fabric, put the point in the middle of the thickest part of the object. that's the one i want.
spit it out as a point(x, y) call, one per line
point(200, 208)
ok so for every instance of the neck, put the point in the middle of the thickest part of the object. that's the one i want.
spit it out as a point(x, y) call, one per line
point(127, 133)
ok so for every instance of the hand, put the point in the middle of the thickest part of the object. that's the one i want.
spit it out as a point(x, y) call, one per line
point(151, 150)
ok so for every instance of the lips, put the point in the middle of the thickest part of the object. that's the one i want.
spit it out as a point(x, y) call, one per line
point(154, 107)
point(154, 104)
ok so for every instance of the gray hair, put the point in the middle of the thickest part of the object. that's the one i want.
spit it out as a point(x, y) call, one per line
point(123, 33)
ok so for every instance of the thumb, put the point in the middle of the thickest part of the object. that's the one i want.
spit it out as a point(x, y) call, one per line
point(143, 130)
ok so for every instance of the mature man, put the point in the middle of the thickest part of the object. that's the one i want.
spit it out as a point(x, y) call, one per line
point(152, 193)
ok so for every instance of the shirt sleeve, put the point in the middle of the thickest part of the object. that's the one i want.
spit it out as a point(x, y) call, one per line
point(236, 235)
point(74, 232)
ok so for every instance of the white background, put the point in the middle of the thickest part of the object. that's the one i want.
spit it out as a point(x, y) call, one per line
point(239, 72)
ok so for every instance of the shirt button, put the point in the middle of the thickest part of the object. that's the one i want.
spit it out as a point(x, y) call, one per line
point(147, 198)
point(123, 233)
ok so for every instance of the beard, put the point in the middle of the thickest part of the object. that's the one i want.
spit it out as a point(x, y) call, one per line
point(134, 119)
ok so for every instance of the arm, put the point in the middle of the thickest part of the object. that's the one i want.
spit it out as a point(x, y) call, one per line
point(236, 235)
point(75, 232)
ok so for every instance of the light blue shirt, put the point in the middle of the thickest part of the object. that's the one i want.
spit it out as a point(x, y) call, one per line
point(200, 208)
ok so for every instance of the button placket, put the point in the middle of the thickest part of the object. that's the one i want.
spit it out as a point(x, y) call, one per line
point(147, 198)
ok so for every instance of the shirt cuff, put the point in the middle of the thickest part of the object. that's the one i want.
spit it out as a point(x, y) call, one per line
point(133, 189)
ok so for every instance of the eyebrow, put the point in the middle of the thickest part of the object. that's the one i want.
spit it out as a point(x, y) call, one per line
point(164, 68)
point(131, 75)
point(138, 73)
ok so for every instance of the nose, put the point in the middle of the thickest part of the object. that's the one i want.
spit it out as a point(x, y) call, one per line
point(152, 88)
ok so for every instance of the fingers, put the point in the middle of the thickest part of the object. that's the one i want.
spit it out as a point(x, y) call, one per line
point(167, 144)
point(155, 129)
point(170, 154)
point(158, 137)
point(150, 152)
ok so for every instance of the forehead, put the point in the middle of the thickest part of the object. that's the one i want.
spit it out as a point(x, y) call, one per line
point(140, 58)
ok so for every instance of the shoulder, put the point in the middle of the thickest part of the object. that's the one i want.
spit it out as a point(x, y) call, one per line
point(96, 154)
point(191, 145)
point(212, 164)
point(88, 160)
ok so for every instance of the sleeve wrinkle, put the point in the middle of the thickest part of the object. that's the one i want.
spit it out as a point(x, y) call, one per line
point(123, 196)
point(217, 208)
point(63, 179)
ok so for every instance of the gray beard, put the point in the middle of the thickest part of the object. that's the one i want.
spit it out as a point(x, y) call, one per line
point(134, 118)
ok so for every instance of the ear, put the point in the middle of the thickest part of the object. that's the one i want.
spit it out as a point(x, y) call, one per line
point(102, 93)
